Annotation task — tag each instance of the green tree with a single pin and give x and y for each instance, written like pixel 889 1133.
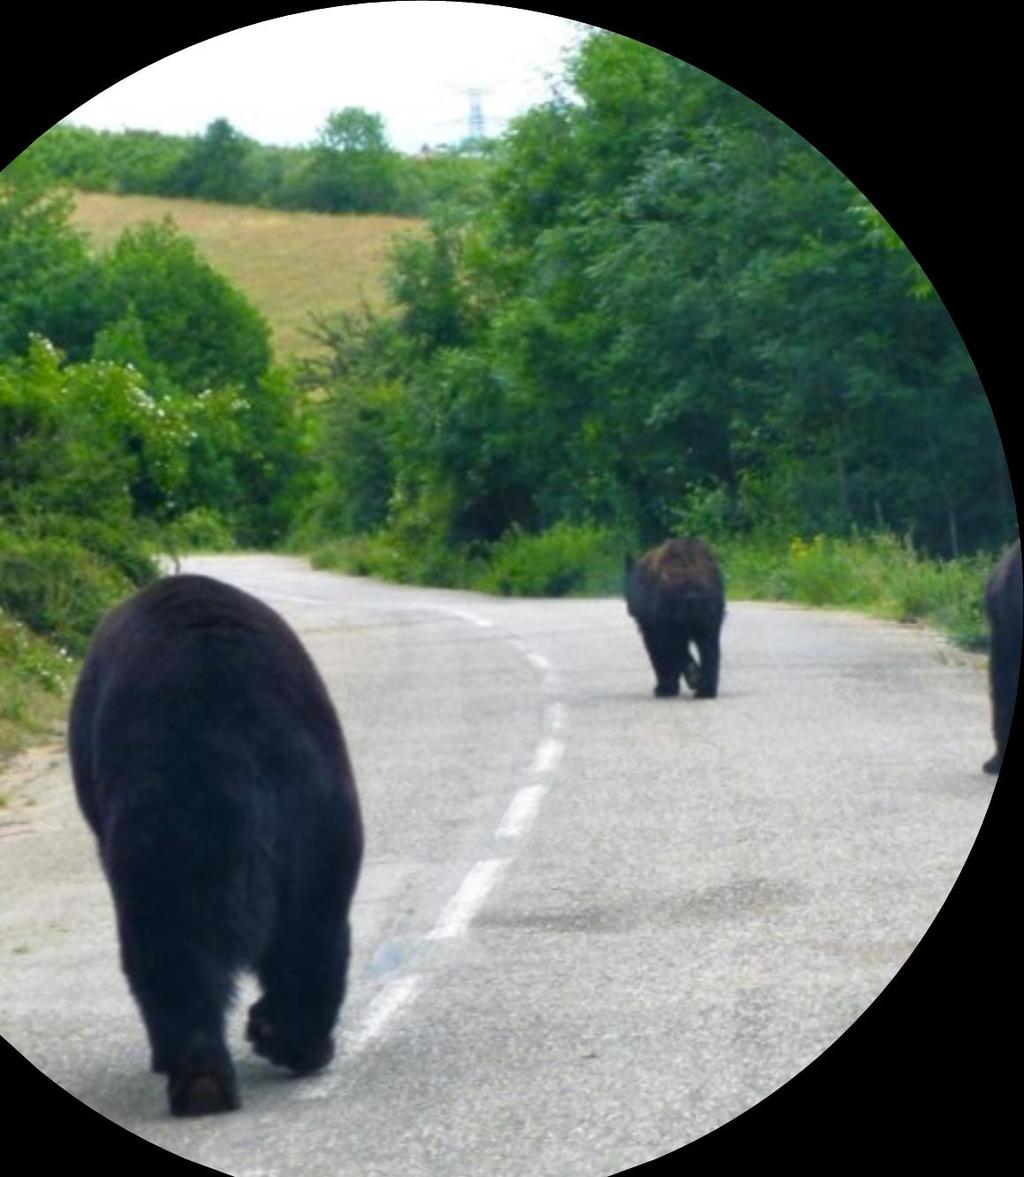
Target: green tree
pixel 665 299
pixel 47 278
pixel 85 440
pixel 216 166
pixel 350 168
pixel 196 328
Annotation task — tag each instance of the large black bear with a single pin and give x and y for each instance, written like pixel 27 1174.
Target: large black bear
pixel 1004 604
pixel 676 595
pixel 211 766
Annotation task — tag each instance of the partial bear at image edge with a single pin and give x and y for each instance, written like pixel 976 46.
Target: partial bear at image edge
pixel 1004 605
pixel 676 594
pixel 210 764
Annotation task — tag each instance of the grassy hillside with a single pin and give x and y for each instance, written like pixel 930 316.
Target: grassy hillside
pixel 289 264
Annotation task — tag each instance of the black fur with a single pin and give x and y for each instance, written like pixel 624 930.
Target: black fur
pixel 1004 604
pixel 211 766
pixel 676 595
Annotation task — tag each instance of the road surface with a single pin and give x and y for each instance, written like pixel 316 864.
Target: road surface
pixel 592 926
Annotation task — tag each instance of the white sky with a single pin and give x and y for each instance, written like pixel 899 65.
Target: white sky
pixel 410 61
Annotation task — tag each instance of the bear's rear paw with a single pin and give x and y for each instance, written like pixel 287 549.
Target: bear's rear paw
pixel 666 690
pixel 202 1093
pixel 268 1041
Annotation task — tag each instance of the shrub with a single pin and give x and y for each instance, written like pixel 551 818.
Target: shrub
pixel 200 530
pixel 199 330
pixel 567 558
pixel 57 588
pixel 120 546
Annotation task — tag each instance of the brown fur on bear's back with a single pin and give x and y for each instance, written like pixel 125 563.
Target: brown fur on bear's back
pixel 683 561
pixel 676 575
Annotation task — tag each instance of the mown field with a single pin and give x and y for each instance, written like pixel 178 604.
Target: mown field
pixel 291 265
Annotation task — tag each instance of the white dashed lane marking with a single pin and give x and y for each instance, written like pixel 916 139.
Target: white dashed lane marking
pixel 396 993
pixel 521 811
pixel 459 911
pixel 548 754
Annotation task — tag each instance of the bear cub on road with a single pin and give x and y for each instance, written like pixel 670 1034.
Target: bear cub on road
pixel 211 766
pixel 1004 604
pixel 676 595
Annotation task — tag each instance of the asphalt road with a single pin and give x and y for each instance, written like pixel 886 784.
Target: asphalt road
pixel 592 926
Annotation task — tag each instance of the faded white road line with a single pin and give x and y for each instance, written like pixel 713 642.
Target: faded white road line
pixel 460 909
pixel 554 716
pixel 465 615
pixel 521 811
pixel 296 600
pixel 548 754
pixel 396 993
pixel 458 913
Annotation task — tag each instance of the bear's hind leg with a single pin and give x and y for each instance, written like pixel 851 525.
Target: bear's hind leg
pixel 691 668
pixel 303 975
pixel 1004 670
pixel 179 958
pixel 710 657
pixel 666 667
pixel 182 994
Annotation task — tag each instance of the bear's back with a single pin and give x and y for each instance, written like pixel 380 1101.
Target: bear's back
pixel 195 673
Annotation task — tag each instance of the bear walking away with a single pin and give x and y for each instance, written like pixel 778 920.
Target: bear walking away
pixel 676 595
pixel 210 764
pixel 1004 604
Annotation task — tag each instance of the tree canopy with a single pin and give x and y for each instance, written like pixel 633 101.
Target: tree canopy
pixel 662 304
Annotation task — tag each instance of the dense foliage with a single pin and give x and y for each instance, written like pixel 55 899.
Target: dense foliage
pixel 666 311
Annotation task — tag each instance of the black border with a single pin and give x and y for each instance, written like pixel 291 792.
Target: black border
pixel 916 111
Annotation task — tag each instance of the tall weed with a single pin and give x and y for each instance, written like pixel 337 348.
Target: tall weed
pixel 880 573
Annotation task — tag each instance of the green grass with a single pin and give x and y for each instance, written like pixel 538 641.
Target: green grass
pixel 290 265
pixel 881 574
pixel 388 556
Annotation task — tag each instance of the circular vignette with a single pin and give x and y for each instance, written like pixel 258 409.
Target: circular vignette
pixel 918 122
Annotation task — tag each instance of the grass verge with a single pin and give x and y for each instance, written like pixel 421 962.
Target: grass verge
pixel 34 681
pixel 879 574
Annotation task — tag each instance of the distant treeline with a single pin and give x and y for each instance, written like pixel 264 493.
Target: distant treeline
pixel 350 167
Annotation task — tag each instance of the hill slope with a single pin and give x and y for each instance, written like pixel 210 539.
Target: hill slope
pixel 289 264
